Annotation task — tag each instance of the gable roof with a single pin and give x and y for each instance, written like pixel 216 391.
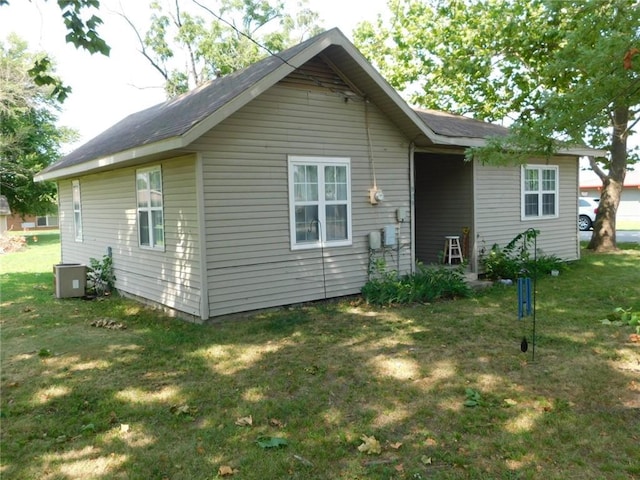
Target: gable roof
pixel 172 125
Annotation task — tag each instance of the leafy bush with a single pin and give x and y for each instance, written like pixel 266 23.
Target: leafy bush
pixel 426 285
pixel 516 259
pixel 621 316
pixel 101 279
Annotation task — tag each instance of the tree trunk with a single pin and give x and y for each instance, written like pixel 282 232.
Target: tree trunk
pixel 604 228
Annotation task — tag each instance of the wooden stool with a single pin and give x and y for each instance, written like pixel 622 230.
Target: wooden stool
pixel 452 249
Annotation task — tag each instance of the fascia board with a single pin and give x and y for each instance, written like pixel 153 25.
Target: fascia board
pixel 112 160
pixel 582 152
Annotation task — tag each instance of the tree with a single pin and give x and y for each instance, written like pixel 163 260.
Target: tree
pixel 564 72
pixel 81 32
pixel 188 49
pixel 29 137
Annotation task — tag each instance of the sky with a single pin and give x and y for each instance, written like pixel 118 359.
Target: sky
pixel 107 89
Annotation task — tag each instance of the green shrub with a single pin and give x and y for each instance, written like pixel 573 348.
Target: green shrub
pixel 426 285
pixel 100 276
pixel 516 259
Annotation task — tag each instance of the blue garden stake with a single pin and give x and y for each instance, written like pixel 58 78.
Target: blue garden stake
pixel 524 306
pixel 524 297
pixel 527 297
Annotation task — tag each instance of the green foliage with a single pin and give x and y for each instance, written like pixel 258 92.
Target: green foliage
pixel 426 285
pixel 474 398
pixel 29 137
pixel 271 442
pixel 621 316
pixel 541 67
pixel 101 278
pixel 560 73
pixel 40 73
pixel 80 32
pixel 188 49
pixel 516 259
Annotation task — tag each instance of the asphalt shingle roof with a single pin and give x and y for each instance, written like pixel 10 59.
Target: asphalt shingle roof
pixel 177 116
pixel 451 125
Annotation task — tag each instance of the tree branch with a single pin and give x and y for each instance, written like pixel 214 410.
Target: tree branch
pixel 596 168
pixel 143 49
pixel 192 58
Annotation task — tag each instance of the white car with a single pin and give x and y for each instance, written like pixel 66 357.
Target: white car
pixel 587 209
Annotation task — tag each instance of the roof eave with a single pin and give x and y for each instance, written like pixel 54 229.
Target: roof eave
pixel 582 152
pixel 112 161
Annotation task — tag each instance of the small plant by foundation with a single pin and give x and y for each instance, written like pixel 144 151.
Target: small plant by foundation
pixel 101 278
pixel 428 283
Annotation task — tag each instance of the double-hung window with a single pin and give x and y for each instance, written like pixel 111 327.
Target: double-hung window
pixel 539 191
pixel 77 210
pixel 319 201
pixel 150 209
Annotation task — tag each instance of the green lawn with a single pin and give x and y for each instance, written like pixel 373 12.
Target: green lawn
pixel 164 399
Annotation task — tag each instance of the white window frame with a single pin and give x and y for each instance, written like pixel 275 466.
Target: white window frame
pixel 76 200
pixel 154 243
pixel 320 163
pixel 540 191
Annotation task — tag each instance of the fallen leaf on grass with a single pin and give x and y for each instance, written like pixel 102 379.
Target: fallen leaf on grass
pixel 399 467
pixel 371 446
pixel 244 421
pixel 303 460
pixel 509 402
pixel 183 410
pixel 226 470
pixel 108 323
pixel 274 422
pixel 396 445
pixel 271 442
pixel 426 460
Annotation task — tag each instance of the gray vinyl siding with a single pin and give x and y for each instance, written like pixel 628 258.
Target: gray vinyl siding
pixel 498 203
pixel 245 160
pixel 109 217
pixel 444 202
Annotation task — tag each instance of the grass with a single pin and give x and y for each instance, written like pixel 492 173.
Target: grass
pixel 161 398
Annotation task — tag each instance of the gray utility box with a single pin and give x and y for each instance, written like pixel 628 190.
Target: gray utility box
pixel 70 279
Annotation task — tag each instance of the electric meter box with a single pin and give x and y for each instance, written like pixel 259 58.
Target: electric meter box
pixel 70 280
pixel 402 214
pixel 389 235
pixel 374 240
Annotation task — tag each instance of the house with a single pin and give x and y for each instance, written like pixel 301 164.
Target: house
pixel 32 222
pixel 628 214
pixel 5 212
pixel 268 187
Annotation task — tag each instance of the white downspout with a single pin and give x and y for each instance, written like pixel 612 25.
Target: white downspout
pixel 412 195
pixel 202 239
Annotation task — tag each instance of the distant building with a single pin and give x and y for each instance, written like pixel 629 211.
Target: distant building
pixel 629 208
